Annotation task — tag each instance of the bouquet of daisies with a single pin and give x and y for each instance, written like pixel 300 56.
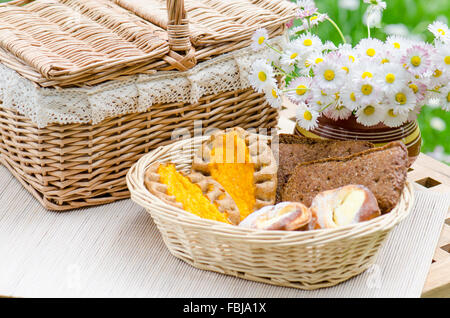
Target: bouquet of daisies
pixel 377 82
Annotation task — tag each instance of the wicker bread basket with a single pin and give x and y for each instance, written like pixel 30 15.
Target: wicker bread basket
pixel 56 55
pixel 299 259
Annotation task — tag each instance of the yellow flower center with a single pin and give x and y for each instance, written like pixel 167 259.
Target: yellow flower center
pixel 274 93
pixel 391 113
pixel 307 42
pixel 313 18
pixel 345 68
pixel 366 89
pixel 340 107
pixel 370 52
pixel 441 31
pixel 307 115
pixel 262 76
pixel 318 60
pixel 447 60
pixel 390 78
pixel 351 58
pixel 437 73
pixel 414 88
pixel 366 74
pixel 329 75
pixel 400 98
pixel 307 64
pixel 323 93
pixel 415 60
pixel 352 97
pixel 261 40
pixel 293 56
pixel 301 90
pixel 384 61
pixel 448 97
pixel 396 45
pixel 369 110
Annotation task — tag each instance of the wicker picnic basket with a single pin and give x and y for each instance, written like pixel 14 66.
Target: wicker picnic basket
pixel 87 87
pixel 299 259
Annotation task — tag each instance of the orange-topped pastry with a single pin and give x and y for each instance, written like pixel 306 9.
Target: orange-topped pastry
pixel 231 166
pixel 194 193
pixel 243 165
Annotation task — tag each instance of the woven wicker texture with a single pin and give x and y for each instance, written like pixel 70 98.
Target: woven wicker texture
pixel 83 42
pixel 76 165
pixel 299 259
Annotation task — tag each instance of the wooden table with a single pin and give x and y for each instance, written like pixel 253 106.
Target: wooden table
pixel 426 172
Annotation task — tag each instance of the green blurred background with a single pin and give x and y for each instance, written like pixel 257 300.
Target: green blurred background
pixel 405 17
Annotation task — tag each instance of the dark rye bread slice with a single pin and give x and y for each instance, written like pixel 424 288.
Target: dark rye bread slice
pixel 293 150
pixel 382 170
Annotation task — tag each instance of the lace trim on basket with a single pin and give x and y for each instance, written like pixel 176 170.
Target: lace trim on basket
pixel 138 93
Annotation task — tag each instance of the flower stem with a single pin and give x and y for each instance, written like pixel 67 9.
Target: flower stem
pixel 281 70
pixel 321 110
pixel 271 47
pixel 338 29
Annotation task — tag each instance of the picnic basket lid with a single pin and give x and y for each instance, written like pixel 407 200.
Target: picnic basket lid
pixel 64 43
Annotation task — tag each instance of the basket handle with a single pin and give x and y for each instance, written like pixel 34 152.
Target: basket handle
pixel 178 26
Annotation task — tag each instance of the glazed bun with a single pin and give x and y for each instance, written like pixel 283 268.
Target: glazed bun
pixel 287 216
pixel 343 206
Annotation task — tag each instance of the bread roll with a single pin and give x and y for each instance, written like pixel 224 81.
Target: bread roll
pixel 286 216
pixel 343 206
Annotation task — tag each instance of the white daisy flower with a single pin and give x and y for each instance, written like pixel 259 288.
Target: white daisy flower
pixel 364 69
pixel 299 90
pixel 273 97
pixel 261 76
pixel 402 101
pixel 389 55
pixel 291 56
pixel 307 43
pixel 370 114
pixel 316 19
pixel 329 76
pixel 440 30
pixel 306 8
pixel 259 39
pixel 441 57
pixel 439 76
pixel 307 117
pixel 417 60
pixel 311 60
pixel 419 89
pixel 321 99
pixel 337 111
pixel 445 97
pixel 370 47
pixel 348 97
pixel 367 91
pixel 350 55
pixel 391 119
pixel 391 77
pixel 397 43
